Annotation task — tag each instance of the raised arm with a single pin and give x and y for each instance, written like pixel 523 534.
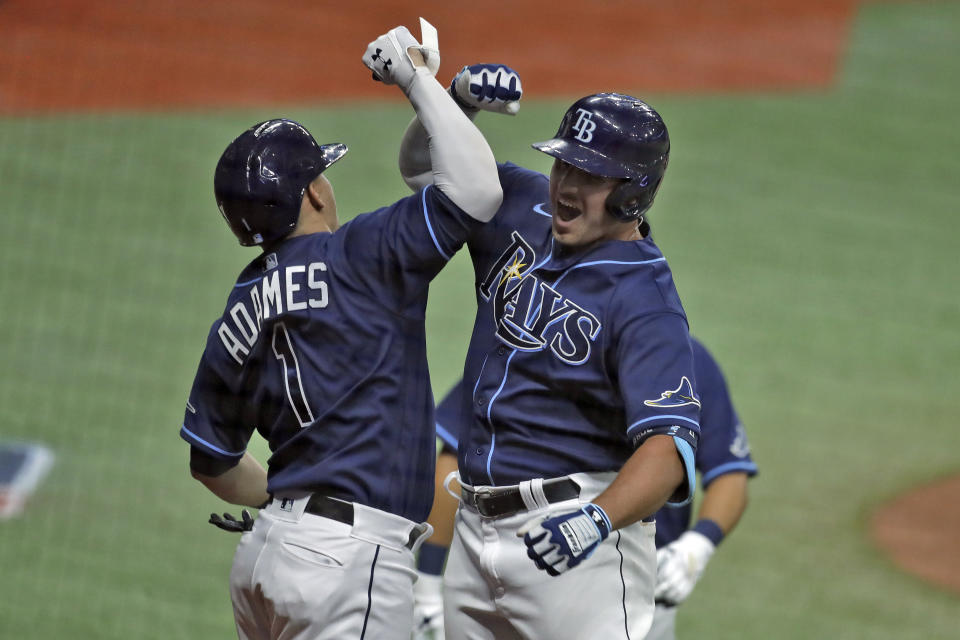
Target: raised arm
pixel 487 87
pixel 461 162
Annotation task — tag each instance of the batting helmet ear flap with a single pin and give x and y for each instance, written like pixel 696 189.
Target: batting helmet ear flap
pixel 631 198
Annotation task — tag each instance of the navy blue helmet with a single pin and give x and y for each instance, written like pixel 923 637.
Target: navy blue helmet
pixel 615 136
pixel 262 175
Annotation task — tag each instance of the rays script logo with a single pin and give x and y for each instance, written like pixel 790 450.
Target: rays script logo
pixel 531 315
pixel 678 397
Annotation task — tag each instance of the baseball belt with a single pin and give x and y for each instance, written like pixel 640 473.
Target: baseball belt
pixel 342 511
pixel 497 503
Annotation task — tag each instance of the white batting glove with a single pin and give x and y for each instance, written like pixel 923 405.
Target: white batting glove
pixel 428 607
pixel 389 58
pixel 491 87
pixel 430 46
pixel 679 565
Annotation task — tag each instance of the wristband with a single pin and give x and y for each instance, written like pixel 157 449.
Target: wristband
pixel 710 530
pixel 467 108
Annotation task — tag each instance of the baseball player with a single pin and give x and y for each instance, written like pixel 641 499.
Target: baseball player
pixel 723 461
pixel 321 348
pixel 580 415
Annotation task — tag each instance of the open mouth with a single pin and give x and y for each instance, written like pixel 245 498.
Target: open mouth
pixel 565 212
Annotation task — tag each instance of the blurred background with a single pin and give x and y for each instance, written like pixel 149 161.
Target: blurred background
pixel 808 215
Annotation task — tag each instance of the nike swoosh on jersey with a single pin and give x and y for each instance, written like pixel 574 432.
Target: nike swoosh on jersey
pixel 538 208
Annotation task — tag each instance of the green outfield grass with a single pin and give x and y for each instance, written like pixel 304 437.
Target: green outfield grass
pixel 813 237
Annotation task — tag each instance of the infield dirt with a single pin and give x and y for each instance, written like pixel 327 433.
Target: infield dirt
pixel 76 55
pixel 73 55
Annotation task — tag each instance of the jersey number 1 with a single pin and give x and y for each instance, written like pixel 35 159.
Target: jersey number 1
pixel 283 350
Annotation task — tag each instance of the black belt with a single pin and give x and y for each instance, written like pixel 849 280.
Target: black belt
pixel 496 503
pixel 342 511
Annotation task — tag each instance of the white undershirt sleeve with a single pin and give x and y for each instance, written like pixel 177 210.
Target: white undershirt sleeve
pixel 460 162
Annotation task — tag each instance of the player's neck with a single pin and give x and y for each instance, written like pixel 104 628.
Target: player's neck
pixel 318 209
pixel 325 221
pixel 631 233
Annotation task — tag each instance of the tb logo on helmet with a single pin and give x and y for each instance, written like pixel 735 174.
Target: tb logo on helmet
pixel 584 126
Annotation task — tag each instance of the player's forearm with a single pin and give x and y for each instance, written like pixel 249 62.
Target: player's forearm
pixel 414 161
pixel 462 164
pixel 647 480
pixel 244 484
pixel 725 500
pixel 444 507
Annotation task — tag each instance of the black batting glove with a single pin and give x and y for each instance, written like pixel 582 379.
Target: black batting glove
pixel 231 524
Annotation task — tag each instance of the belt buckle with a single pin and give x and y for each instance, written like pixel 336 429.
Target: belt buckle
pixel 479 496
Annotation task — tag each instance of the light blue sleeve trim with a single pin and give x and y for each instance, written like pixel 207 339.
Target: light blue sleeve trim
pixel 645 420
pixel 731 467
pixel 446 436
pixel 686 452
pixel 426 217
pixel 243 284
pixel 212 447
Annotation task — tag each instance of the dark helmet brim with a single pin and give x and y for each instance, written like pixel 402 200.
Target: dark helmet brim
pixel 330 153
pixel 589 160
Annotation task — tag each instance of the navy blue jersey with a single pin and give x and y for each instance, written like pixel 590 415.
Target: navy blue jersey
pixel 575 358
pixel 322 350
pixel 723 444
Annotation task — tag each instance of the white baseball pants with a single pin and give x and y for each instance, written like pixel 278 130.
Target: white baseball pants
pixel 493 591
pixel 664 624
pixel 298 576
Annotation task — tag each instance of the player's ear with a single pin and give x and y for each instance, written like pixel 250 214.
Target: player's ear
pixel 315 194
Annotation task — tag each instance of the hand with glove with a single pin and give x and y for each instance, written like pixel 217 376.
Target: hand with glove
pixel 428 607
pixel 396 57
pixel 561 542
pixel 231 524
pixel 490 87
pixel 679 565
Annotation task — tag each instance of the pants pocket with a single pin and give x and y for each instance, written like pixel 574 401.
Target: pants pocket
pixel 311 553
